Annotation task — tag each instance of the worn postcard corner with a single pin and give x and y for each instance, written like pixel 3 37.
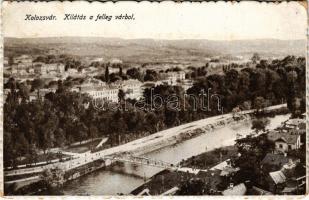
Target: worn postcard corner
pixel 128 100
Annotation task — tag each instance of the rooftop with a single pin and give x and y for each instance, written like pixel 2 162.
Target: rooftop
pixel 277 177
pixel 288 137
pixel 239 189
pixel 275 159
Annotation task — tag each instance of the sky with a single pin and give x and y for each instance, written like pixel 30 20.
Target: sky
pixel 167 20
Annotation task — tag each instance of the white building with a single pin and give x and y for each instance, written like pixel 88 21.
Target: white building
pixel 51 69
pixel 106 93
pixel 171 78
pixel 132 88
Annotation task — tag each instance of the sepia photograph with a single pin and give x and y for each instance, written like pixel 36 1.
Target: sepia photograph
pixel 154 99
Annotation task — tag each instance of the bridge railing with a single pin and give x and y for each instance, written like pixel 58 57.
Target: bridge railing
pixel 141 160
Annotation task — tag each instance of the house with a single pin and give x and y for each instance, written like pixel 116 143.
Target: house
pixel 40 94
pixel 295 123
pixel 172 78
pixel 229 170
pixel 51 68
pixel 236 190
pixel 132 88
pixel 274 161
pixel 106 93
pixel 276 181
pixel 288 142
pixel 285 141
pixel 258 191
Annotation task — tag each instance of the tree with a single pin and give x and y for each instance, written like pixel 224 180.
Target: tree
pixel 260 124
pixel 114 77
pixel 53 178
pixel 81 131
pixel 60 139
pixel 37 84
pixel 252 150
pixel 151 75
pixel 120 71
pixel 121 95
pixel 194 187
pixel 11 60
pixel 255 58
pixel 107 73
pixel 135 73
pixel 259 104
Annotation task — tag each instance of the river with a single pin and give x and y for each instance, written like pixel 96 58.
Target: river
pixel 125 178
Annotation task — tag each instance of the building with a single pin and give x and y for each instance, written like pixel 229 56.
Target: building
pixel 89 81
pixel 132 88
pixel 97 89
pixel 274 161
pixel 106 93
pixel 288 142
pixel 115 61
pixel 285 141
pixel 237 190
pixel 295 124
pixel 172 78
pixel 276 181
pixel 90 71
pixel 40 94
pixel 49 69
pixel 186 84
pixel 72 71
pixel 98 59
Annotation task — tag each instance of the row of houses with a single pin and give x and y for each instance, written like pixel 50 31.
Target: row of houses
pixel 132 88
pixel 98 89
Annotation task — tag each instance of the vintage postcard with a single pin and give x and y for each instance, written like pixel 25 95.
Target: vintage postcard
pixel 154 99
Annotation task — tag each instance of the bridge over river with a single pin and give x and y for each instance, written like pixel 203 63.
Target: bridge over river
pixel 140 160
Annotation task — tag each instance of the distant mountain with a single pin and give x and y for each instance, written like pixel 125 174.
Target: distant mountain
pixel 150 49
